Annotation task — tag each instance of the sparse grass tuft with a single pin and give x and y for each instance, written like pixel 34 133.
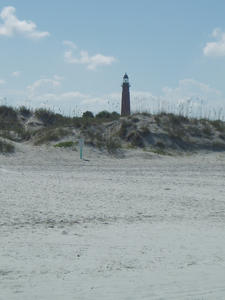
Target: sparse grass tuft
pixel 48 135
pixel 7 112
pixel 194 131
pixel 217 146
pixel 160 152
pixel 6 147
pixel 18 135
pixel 8 118
pixel 144 131
pixel 67 144
pixel 219 125
pixel 10 126
pixel 135 120
pixel 46 116
pixel 222 136
pixel 207 131
pixel 136 139
pixel 145 114
pixel 160 145
pixel 24 111
pixel 113 145
pixel 124 128
pixel 177 119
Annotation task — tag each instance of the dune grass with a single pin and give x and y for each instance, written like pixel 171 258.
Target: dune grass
pixel 108 131
pixel 6 147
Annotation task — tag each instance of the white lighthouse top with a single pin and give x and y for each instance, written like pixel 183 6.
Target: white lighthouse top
pixel 125 78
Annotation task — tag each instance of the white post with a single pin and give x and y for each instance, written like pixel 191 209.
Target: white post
pixel 81 144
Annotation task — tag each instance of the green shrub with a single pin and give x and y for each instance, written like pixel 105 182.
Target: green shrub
pixel 103 115
pixel 88 114
pixel 107 116
pixel 115 115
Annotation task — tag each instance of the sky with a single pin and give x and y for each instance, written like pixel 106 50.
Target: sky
pixel 71 55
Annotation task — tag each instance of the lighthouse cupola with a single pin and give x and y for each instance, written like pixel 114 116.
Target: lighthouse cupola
pixel 126 79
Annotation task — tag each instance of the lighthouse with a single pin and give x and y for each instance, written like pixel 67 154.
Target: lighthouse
pixel 125 103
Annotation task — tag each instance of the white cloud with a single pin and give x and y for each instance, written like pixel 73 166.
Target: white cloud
pixel 72 95
pixel 70 44
pixel 217 48
pixel 58 78
pixel 2 81
pixel 68 56
pixel 92 62
pixel 99 60
pixel 12 25
pixel 16 74
pixel 190 88
pixel 43 86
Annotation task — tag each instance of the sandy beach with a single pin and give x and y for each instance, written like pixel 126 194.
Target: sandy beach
pixel 142 227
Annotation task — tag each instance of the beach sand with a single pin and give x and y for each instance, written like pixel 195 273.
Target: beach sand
pixel 141 227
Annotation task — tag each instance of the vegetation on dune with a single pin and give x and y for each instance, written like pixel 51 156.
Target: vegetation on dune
pixel 68 144
pixel 6 147
pixel 88 114
pixel 24 111
pixel 105 115
pixel 107 131
pixel 44 136
pixel 10 125
pixel 219 125
pixel 9 119
pixel 113 145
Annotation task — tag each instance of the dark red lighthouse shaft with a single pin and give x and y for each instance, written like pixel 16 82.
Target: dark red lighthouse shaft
pixel 125 103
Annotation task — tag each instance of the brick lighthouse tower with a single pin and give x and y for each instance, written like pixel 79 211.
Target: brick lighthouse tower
pixel 125 103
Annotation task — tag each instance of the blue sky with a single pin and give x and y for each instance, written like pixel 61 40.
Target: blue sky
pixel 72 54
